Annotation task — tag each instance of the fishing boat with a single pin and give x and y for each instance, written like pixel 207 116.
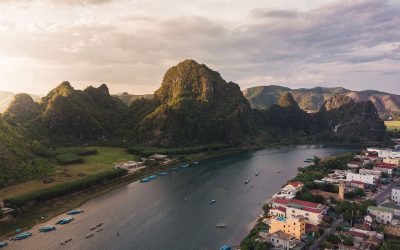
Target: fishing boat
pixel 225 247
pixel 152 177
pixel 278 172
pixel 220 225
pixel 22 236
pixel 46 229
pixel 99 230
pixel 89 236
pixel 246 182
pixel 196 162
pixel 100 225
pixel 3 244
pixel 75 211
pixel 65 221
pixel 145 180
pixel 93 228
pixel 175 169
pixel 186 165
pixel 257 174
pixel 212 202
pixel 162 173
pixel 66 241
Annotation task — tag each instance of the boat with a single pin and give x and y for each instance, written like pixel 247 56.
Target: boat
pixel 175 169
pixel 246 182
pixel 278 172
pixel 152 177
pixel 93 228
pixel 220 225
pixel 196 162
pixel 22 236
pixel 162 173
pixel 65 220
pixel 3 244
pixel 212 202
pixel 99 230
pixel 89 236
pixel 46 229
pixel 65 241
pixel 75 211
pixel 100 224
pixel 145 180
pixel 186 165
pixel 225 247
pixel 257 174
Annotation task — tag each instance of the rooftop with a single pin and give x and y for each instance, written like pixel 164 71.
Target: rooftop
pixel 297 203
pixel 281 235
pixel 381 209
pixel 390 205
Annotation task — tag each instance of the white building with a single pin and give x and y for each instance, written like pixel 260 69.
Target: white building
pixel 396 195
pixel 290 190
pixel 385 168
pixel 365 178
pixel 382 215
pixel 280 240
pixel 395 161
pixel 376 173
pixel 385 152
pixel 129 165
pixel 354 164
pixel 396 208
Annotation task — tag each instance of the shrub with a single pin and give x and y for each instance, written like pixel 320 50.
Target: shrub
pixel 68 158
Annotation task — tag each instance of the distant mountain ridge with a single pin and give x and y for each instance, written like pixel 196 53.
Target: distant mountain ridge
pixel 312 99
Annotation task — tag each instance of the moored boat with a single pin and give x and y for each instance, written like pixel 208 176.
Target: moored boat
pixel 23 235
pixel 75 211
pixel 225 247
pixel 66 241
pixel 3 244
pixel 212 202
pixel 196 162
pixel 257 174
pixel 65 220
pixel 145 180
pixel 246 182
pixel 186 165
pixel 162 173
pixel 220 225
pixel 46 229
pixel 152 177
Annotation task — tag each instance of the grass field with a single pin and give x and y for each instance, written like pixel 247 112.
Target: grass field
pixel 93 164
pixel 391 125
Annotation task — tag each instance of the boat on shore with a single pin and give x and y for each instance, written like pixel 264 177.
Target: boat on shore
pixel 65 221
pixel 66 241
pixel 23 235
pixel 46 229
pixel 226 247
pixel 89 236
pixel 75 211
pixel 3 244
pixel 144 180
pixel 212 202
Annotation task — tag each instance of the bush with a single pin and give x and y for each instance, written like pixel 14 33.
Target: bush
pixel 143 151
pixel 68 158
pixel 63 189
pixel 85 152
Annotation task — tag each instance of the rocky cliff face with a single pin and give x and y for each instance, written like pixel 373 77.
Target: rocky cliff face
pixel 22 109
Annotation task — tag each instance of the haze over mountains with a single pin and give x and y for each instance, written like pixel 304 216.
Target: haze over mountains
pixel 312 99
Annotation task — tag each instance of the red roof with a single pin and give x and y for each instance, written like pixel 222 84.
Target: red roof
pixel 387 165
pixel 282 209
pixel 357 182
pixel 284 202
pixel 311 210
pixel 296 183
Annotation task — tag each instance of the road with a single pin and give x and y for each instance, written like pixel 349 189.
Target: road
pixel 328 231
pixel 381 196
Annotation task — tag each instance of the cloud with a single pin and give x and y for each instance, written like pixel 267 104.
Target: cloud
pixel 331 44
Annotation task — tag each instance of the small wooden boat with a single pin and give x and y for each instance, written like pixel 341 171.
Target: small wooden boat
pixel 225 247
pixel 212 202
pixel 220 225
pixel 66 241
pixel 246 182
pixel 89 236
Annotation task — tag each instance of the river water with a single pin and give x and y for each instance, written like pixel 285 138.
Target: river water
pixel 173 211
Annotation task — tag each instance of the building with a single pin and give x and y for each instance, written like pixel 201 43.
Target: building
pixel 357 184
pixel 396 195
pixel 159 157
pixel 385 153
pixel 376 173
pixel 396 208
pixel 341 191
pixel 283 241
pixel 385 167
pixel 365 178
pixel 354 164
pixel 278 212
pixel 129 165
pixel 310 211
pixel 290 190
pixel 294 226
pixel 395 161
pixel 382 215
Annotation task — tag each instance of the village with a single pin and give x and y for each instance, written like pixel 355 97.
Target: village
pixel 348 202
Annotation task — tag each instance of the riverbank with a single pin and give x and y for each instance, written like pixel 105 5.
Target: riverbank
pixel 45 211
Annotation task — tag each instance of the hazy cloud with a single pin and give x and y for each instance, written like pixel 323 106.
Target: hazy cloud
pixel 351 43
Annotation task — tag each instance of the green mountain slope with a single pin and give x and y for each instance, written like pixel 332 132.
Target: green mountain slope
pixel 18 162
pixel 312 99
pixel 194 105
pixel 128 98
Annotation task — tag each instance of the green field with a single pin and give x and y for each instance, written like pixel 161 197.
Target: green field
pixel 391 125
pixel 93 164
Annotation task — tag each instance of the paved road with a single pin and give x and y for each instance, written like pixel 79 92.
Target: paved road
pixel 381 196
pixel 328 231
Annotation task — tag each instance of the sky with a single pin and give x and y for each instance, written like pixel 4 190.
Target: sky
pixel 129 44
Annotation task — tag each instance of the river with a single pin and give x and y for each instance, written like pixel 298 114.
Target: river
pixel 156 215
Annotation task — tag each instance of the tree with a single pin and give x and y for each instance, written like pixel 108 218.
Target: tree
pixel 333 239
